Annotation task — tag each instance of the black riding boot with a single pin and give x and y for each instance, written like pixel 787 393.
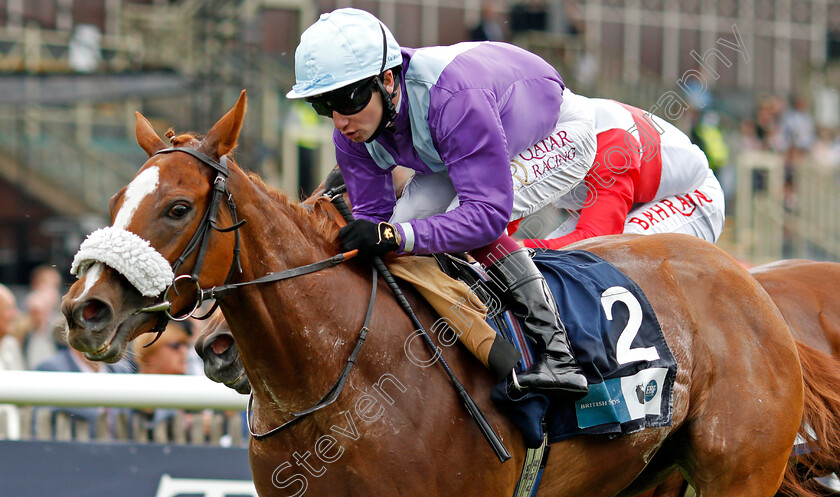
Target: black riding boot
pixel 529 298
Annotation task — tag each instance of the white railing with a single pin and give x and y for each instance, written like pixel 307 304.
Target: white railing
pixel 47 388
pixel 772 223
pixel 216 417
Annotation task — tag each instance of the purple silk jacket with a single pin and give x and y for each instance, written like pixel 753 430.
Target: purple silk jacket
pixel 465 109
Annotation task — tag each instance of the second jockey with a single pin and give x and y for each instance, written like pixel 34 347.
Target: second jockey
pixel 647 178
pixel 456 115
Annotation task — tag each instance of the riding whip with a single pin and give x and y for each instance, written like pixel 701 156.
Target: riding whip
pixel 475 412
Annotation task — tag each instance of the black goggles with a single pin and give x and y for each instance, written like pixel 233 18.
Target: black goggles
pixel 346 101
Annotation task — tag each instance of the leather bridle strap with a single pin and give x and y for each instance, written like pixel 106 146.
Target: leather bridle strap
pixel 335 390
pixel 201 238
pixel 217 292
pixel 219 166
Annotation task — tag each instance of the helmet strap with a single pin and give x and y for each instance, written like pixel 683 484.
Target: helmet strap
pixel 389 111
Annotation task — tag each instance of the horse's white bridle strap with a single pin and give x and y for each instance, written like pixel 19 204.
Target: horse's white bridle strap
pixel 130 255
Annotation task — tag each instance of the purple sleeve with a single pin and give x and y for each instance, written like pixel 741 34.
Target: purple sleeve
pixel 469 136
pixel 371 188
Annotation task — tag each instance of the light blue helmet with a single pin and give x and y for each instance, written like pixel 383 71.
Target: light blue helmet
pixel 342 47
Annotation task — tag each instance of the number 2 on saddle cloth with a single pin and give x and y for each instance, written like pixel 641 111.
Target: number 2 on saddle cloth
pixel 616 339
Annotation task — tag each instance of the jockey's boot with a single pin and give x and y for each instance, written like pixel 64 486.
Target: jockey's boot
pixel 555 370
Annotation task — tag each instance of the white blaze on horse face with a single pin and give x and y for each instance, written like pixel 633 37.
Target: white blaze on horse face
pixel 92 274
pixel 144 184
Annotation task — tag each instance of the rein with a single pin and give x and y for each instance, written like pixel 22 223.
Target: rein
pixel 200 241
pixel 334 391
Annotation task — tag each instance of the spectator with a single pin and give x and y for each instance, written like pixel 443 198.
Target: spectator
pixel 796 136
pixel 47 279
pixel 826 150
pixel 302 118
pixel 797 128
pixel 749 136
pixel 167 355
pixel 42 307
pixel 11 355
pixel 489 27
pixel 40 344
pixel 706 134
pixel 767 123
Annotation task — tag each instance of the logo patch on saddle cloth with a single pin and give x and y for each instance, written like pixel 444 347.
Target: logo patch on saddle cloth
pixel 619 345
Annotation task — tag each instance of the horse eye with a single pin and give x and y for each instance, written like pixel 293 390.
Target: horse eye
pixel 178 211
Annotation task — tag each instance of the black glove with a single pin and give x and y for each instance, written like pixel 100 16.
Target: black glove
pixel 370 238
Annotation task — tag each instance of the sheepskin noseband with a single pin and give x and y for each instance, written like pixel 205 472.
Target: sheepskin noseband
pixel 127 253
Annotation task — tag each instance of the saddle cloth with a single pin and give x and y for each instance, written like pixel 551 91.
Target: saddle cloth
pixel 619 345
pixel 612 328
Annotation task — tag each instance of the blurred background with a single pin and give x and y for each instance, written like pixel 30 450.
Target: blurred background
pixel 754 82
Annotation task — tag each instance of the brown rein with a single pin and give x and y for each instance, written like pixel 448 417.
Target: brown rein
pixel 200 240
pixel 334 391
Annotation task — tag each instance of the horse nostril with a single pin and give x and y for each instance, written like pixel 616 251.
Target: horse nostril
pixel 221 344
pixel 93 314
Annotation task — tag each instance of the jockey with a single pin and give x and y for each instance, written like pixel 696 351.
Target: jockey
pixel 456 115
pixel 647 178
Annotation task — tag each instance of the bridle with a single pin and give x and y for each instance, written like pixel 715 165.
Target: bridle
pixel 200 240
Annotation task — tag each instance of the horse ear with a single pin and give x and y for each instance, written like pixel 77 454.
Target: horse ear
pixel 221 139
pixel 146 136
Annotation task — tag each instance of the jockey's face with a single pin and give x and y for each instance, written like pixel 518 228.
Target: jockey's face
pixel 361 126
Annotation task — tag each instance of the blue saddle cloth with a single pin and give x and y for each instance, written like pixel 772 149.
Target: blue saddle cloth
pixel 618 343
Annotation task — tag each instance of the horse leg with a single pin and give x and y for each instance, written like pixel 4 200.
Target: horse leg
pixel 660 477
pixel 739 439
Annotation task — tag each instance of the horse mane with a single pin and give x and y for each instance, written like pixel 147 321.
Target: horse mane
pixel 319 222
pixel 184 139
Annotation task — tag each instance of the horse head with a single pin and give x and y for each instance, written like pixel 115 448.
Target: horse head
pixel 167 240
pixel 217 348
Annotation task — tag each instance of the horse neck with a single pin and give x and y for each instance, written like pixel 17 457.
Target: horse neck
pixel 290 333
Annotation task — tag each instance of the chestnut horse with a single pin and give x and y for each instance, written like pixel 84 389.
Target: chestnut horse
pixel 398 428
pixel 806 293
pixel 217 349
